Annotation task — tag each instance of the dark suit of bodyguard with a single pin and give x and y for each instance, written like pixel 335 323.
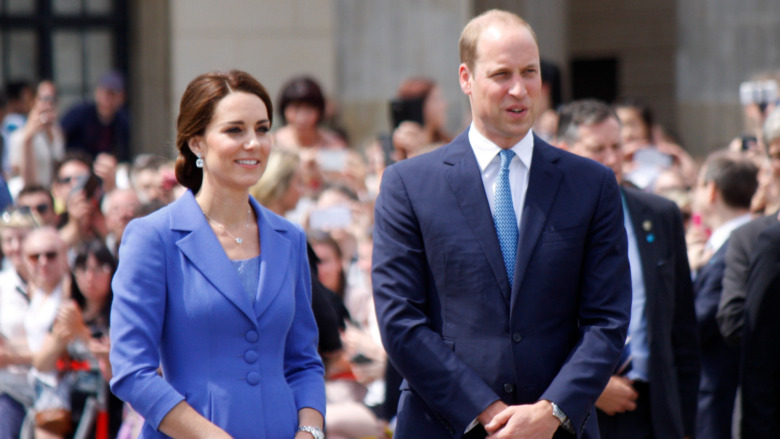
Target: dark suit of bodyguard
pixel 464 340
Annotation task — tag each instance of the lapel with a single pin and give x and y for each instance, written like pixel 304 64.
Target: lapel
pixel 205 253
pixel 543 182
pixel 275 248
pixel 465 180
pixel 647 242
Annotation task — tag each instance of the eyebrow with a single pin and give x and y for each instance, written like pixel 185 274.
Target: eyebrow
pixel 241 122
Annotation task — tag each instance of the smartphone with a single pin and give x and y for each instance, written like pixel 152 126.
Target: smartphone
pixel 336 217
pixel 748 142
pixel 402 110
pixel 331 160
pixel 89 184
pixel 653 158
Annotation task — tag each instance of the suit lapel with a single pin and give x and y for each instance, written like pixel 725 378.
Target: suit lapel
pixel 543 184
pixel 643 221
pixel 465 180
pixel 202 248
pixel 274 257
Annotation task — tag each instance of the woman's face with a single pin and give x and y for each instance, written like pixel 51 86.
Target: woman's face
pixel 236 143
pixel 301 115
pixel 435 109
pixel 633 129
pixel 94 279
pixel 11 239
pixel 329 267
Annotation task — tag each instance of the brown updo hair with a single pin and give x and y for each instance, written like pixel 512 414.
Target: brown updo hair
pixel 196 110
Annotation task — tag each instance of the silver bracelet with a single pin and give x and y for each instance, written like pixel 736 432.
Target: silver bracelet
pixel 317 433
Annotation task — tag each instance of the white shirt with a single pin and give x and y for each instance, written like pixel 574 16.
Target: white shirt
pixel 486 153
pixel 721 234
pixel 45 153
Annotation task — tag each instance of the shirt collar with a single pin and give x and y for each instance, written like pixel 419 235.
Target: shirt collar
pixel 721 234
pixel 485 150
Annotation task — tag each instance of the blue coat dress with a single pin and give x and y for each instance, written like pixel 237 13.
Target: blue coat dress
pixel 179 304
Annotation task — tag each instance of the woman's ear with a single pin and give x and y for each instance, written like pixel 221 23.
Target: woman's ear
pixel 195 144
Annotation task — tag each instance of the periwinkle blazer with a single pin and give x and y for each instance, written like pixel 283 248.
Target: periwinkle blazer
pixel 180 305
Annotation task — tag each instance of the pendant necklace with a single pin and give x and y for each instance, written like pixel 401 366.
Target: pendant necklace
pixel 239 239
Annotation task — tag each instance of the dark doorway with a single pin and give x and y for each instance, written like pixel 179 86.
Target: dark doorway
pixel 595 78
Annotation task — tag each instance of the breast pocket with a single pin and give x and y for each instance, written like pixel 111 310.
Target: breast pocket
pixel 563 237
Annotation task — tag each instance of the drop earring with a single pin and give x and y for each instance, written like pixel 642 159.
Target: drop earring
pixel 199 161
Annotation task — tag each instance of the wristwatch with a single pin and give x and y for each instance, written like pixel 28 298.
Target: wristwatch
pixel 314 431
pixel 565 421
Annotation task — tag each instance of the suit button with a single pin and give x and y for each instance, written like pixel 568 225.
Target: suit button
pixel 250 356
pixel 253 378
pixel 516 337
pixel 251 336
pixel 509 388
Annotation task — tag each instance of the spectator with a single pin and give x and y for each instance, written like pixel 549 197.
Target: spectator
pixel 40 202
pixel 19 101
pixel 47 266
pixel 281 186
pixel 16 394
pixel 148 177
pixel 413 137
pixel 79 191
pixel 100 126
pixel 301 107
pixel 741 244
pixel 39 144
pixel 119 207
pixel 722 196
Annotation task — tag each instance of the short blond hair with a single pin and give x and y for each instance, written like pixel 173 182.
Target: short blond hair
pixel 467 44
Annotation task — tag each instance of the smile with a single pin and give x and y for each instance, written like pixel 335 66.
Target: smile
pixel 247 162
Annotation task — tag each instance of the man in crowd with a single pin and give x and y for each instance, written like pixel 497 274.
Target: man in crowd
pixel 656 396
pixel 20 96
pixel 119 207
pixel 40 202
pixel 101 126
pixel 726 184
pixel 732 302
pixel 500 267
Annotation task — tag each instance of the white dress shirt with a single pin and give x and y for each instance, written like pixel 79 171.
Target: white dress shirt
pixel 486 153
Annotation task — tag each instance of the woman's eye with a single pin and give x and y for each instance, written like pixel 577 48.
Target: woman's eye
pixel 234 130
pixel 263 129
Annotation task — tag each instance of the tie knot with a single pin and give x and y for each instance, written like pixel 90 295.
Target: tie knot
pixel 506 157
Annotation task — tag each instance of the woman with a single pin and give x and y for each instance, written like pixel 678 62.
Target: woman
pixel 411 138
pixel 15 391
pixel 81 331
pixel 215 289
pixel 302 108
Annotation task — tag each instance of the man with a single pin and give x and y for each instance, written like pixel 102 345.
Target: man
pixel 722 197
pixel 760 355
pixel 119 207
pixel 20 95
pixel 656 397
pixel 40 202
pixel 504 309
pixel 102 126
pixel 732 302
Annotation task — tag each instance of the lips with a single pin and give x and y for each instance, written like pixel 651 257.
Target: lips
pixel 249 162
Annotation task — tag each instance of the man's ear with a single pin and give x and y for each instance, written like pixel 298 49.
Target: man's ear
pixel 464 76
pixel 712 192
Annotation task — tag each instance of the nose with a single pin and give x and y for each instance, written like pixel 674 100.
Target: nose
pixel 517 88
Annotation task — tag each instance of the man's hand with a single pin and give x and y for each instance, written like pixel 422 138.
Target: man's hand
pixel 528 421
pixel 619 396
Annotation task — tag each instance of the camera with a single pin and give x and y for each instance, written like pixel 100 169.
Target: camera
pixel 761 93
pixel 403 110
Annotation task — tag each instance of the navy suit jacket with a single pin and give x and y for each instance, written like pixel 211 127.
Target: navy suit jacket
pixel 449 321
pixel 179 304
pixel 669 311
pixel 719 361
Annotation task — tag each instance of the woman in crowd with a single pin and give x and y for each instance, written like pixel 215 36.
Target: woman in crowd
pixel 216 290
pixel 302 108
pixel 15 392
pixel 81 331
pixel 412 138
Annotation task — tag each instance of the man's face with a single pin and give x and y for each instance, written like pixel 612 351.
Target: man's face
pixel 39 204
pixel 68 176
pixel 601 142
pixel 108 102
pixel 46 263
pixel 505 84
pixel 121 208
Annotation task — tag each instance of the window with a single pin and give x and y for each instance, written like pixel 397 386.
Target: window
pixel 72 42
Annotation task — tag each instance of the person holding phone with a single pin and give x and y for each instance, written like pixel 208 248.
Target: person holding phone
pixel 215 289
pixel 40 143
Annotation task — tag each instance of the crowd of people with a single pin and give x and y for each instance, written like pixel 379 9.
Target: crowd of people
pixel 699 242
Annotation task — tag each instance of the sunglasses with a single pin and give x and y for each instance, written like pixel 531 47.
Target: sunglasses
pixel 50 256
pixel 67 180
pixel 40 208
pixel 101 269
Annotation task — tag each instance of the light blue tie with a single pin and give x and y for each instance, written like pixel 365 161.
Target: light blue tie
pixel 504 217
